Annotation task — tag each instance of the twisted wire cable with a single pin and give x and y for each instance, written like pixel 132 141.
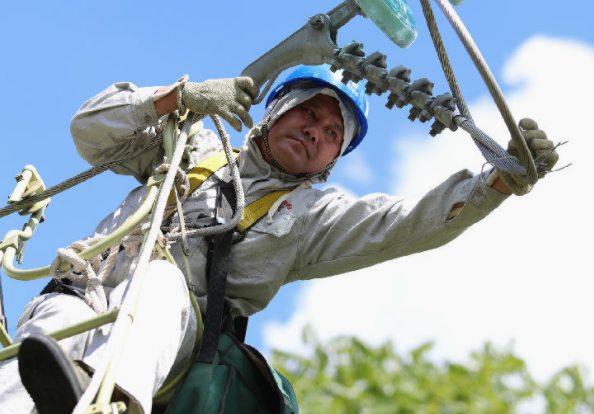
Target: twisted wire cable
pixel 71 182
pixel 491 150
pixel 444 59
pixel 476 56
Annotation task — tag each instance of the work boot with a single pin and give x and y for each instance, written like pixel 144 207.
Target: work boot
pixel 50 377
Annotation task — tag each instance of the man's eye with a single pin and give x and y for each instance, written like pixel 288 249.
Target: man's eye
pixel 332 133
pixel 310 113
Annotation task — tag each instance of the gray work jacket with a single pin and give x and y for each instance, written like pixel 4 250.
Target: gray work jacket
pixel 315 233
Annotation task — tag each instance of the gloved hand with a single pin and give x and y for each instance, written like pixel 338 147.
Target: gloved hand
pixel 223 97
pixel 543 152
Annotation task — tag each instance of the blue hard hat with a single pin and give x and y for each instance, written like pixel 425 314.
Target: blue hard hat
pixel 323 76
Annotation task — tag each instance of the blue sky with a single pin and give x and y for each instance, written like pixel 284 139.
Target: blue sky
pixel 58 54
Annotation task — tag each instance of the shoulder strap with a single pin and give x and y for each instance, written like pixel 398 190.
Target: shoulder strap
pixel 252 212
pixel 220 245
pixel 205 169
pixel 256 210
pixel 216 272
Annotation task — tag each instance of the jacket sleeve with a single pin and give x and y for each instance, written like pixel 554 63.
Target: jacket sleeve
pixel 116 123
pixel 342 234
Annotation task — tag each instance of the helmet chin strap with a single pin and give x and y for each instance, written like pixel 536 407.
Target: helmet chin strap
pixel 280 167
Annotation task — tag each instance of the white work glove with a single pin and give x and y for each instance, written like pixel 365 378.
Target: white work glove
pixel 229 98
pixel 543 152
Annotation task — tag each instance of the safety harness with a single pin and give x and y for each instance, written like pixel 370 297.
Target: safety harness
pixel 222 348
pixel 252 212
pixel 225 202
pixel 220 247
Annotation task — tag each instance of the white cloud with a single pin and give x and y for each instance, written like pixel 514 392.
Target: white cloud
pixel 523 274
pixel 359 171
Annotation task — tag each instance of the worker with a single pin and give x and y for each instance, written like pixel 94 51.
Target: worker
pixel 311 121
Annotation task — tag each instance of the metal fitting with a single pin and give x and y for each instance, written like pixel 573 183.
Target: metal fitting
pixel 374 69
pixel 414 114
pixel 436 128
pixel 317 21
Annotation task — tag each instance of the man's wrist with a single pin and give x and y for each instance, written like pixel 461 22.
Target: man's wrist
pixel 165 100
pixel 494 181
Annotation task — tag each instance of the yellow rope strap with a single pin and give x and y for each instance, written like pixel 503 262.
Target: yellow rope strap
pixel 257 209
pixel 203 170
pixel 253 212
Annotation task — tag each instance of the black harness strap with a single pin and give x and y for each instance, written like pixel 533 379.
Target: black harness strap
pixel 218 264
pixel 240 324
pixel 61 286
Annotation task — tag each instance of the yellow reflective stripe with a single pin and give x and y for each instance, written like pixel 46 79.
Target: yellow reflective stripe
pixel 203 170
pixel 256 210
pixel 251 213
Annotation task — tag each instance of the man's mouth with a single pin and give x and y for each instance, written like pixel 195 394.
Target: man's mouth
pixel 306 146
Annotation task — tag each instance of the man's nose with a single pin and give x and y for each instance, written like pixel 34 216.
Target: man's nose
pixel 311 131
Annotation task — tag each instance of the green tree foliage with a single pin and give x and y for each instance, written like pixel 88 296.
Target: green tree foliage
pixel 346 375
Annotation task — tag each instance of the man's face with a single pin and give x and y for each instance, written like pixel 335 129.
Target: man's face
pixel 307 137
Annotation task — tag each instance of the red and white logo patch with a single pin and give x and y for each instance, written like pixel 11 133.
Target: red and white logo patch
pixel 286 204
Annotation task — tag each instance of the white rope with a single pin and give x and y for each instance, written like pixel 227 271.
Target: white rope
pixel 131 294
pixel 183 185
pixel 83 271
pixel 94 271
pixel 239 195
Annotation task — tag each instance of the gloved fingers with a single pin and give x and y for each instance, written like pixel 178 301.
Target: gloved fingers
pixel 231 119
pixel 534 133
pixel 248 85
pixel 243 99
pixel 546 158
pixel 528 124
pixel 542 149
pixel 243 114
pixel 228 98
pixel 531 134
pixel 539 145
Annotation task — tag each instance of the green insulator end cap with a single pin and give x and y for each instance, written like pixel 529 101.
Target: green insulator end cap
pixel 393 17
pixel 456 2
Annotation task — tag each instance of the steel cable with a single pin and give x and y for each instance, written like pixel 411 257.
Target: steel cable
pixel 71 182
pixel 488 78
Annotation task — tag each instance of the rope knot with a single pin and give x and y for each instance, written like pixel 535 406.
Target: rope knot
pixel 182 181
pixel 83 271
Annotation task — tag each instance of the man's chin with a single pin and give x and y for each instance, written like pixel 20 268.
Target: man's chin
pixel 294 167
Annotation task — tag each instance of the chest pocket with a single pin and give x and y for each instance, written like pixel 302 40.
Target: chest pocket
pixel 265 255
pixel 281 226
